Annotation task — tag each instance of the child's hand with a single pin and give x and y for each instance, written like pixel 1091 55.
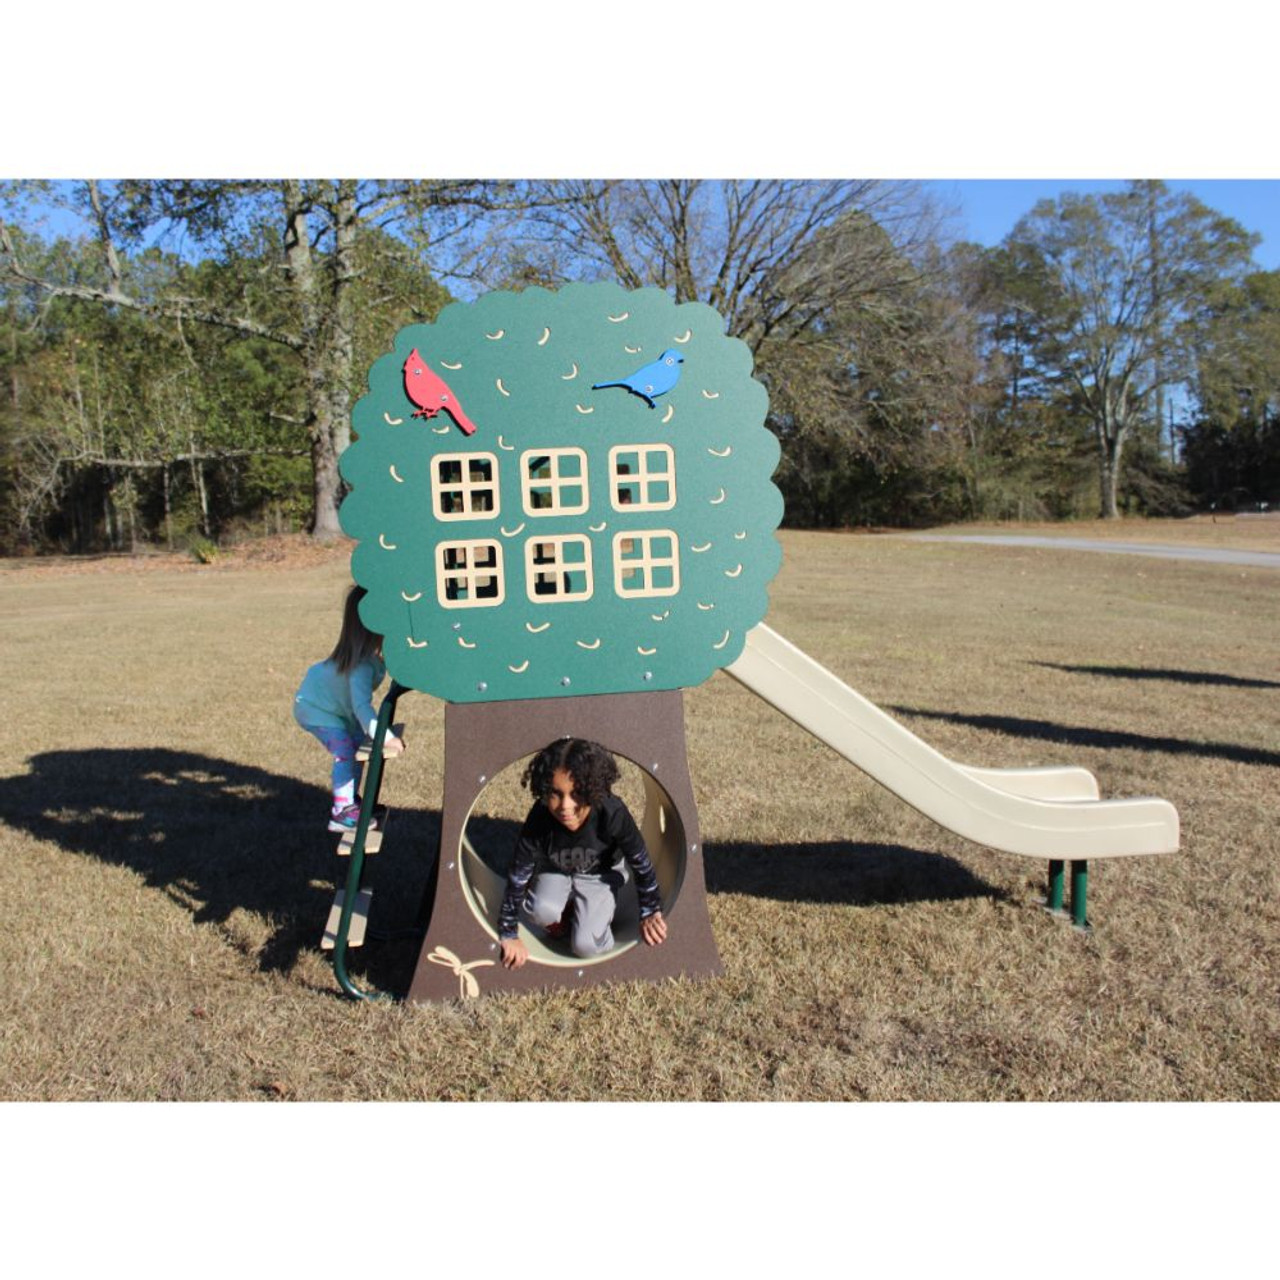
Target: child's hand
pixel 653 929
pixel 393 746
pixel 514 953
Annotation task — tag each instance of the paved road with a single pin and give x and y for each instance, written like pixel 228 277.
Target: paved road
pixel 1211 555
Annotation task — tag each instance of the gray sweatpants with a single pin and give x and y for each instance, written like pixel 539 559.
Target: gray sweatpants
pixel 595 899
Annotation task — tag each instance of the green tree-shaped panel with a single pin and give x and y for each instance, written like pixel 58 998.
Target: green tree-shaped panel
pixel 578 540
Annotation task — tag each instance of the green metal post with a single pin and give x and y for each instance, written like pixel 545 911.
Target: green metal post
pixel 372 789
pixel 1056 877
pixel 1079 890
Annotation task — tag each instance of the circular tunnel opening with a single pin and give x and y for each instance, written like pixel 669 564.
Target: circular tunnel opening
pixel 488 842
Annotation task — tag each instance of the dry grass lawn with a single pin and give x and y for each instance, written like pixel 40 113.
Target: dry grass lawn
pixel 166 873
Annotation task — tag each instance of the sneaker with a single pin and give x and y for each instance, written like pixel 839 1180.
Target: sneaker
pixel 347 818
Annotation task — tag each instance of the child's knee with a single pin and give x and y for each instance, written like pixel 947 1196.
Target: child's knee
pixel 585 944
pixel 542 912
pixel 545 902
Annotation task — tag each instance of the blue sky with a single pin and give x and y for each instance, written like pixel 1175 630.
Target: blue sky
pixel 985 210
pixel 988 208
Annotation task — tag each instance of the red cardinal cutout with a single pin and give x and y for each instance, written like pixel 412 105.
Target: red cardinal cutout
pixel 430 392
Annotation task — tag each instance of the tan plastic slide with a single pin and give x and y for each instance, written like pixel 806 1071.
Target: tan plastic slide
pixel 1044 813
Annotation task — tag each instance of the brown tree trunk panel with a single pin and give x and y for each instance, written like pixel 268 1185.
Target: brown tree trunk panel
pixel 460 956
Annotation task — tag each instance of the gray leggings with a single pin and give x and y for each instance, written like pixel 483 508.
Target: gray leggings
pixel 595 899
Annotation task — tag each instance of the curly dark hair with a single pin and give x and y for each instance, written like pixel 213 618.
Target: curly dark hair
pixel 592 768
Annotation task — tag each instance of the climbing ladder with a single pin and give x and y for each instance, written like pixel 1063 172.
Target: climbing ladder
pixel 349 915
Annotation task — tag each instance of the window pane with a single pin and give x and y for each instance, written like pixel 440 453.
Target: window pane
pixel 642 477
pixel 646 563
pixel 554 481
pixel 465 486
pixel 558 569
pixel 469 574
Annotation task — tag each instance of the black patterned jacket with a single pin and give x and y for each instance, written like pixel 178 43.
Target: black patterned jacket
pixel 609 836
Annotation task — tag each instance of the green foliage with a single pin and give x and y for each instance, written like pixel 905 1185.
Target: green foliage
pixel 202 550
pixel 1151 484
pixel 269 480
pixel 1234 468
pixel 1238 362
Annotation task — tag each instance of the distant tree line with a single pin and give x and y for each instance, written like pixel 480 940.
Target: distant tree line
pixel 182 369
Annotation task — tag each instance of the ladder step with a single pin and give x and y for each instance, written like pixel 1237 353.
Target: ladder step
pixel 365 749
pixel 372 837
pixel 359 919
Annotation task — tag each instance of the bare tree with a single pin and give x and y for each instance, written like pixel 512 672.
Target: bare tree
pixel 824 281
pixel 774 257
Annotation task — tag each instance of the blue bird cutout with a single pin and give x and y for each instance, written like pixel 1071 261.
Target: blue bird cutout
pixel 654 379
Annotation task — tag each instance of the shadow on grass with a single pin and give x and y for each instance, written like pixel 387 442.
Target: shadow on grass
pixel 860 874
pixel 218 837
pixel 1108 739
pixel 1157 673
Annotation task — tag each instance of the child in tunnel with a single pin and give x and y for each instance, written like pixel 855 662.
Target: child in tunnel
pixel 575 851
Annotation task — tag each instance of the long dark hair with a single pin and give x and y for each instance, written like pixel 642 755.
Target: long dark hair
pixel 356 643
pixel 592 768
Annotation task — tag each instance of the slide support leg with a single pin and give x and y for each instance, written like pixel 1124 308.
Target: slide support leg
pixel 1079 890
pixel 1056 877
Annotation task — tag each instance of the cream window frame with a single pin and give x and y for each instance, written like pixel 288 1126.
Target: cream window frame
pixel 465 486
pixel 555 482
pixel 469 574
pixel 626 563
pixel 555 567
pixel 643 477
